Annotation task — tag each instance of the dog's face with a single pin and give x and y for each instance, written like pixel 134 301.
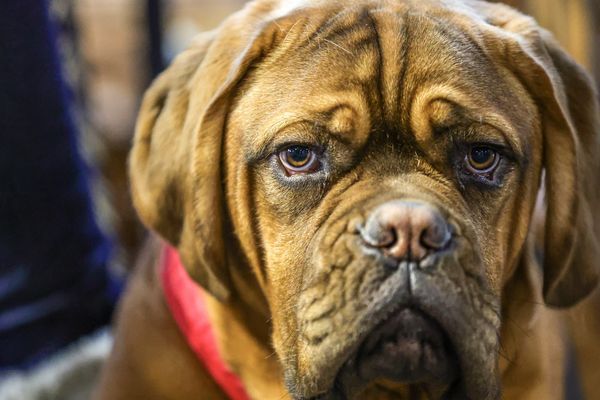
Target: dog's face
pixel 377 165
pixel 392 182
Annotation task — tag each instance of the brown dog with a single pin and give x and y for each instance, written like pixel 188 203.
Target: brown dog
pixel 354 183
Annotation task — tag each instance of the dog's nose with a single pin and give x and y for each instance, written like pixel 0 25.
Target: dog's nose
pixel 406 230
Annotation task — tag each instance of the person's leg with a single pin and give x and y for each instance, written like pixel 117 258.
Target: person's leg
pixel 53 256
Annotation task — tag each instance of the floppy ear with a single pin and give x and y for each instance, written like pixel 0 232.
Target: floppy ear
pixel 175 163
pixel 572 242
pixel 571 139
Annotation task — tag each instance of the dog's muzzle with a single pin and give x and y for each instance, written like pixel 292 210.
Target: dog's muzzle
pixel 413 307
pixel 408 345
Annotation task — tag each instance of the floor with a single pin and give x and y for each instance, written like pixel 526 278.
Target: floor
pixel 69 375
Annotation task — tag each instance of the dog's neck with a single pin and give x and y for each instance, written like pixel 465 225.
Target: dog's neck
pixel 243 337
pixel 243 333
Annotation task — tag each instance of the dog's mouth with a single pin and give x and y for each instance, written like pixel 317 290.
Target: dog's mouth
pixel 408 347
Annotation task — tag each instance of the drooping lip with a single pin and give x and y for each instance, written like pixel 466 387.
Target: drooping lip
pixel 408 347
pixel 471 330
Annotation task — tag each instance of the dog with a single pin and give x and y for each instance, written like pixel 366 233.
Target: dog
pixel 379 198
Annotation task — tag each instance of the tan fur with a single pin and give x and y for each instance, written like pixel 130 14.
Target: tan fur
pixel 289 281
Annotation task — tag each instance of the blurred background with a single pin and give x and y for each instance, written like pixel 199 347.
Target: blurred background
pixel 111 50
pixel 108 52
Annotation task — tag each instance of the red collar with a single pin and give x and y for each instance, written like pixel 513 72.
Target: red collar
pixel 185 300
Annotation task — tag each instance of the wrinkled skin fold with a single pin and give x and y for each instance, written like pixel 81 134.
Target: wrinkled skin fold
pixel 390 97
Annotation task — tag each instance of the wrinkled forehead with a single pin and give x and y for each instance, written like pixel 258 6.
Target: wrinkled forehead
pixel 407 68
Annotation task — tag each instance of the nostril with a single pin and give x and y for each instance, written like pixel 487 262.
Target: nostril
pixel 436 236
pixel 377 236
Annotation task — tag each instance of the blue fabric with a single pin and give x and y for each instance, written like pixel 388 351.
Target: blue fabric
pixel 53 256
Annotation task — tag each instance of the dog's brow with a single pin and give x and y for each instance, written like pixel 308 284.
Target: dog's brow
pixel 338 121
pixel 456 106
pixel 506 129
pixel 300 130
pixel 305 135
pixel 259 147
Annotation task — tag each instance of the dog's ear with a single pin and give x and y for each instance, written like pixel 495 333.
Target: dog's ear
pixel 572 165
pixel 175 163
pixel 569 110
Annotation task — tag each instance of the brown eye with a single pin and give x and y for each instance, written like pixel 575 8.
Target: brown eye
pixel 298 159
pixel 482 159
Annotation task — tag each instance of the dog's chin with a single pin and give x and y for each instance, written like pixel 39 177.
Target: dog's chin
pixel 409 348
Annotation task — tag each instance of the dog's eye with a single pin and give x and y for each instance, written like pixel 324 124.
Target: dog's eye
pixel 482 159
pixel 299 159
